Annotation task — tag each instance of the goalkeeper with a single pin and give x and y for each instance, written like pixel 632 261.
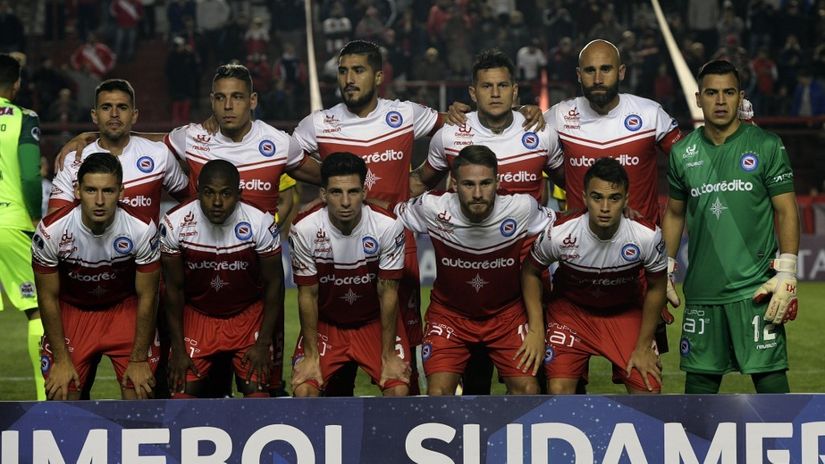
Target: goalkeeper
pixel 728 182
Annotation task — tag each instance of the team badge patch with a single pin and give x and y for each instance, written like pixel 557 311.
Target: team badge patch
pixel 748 162
pixel 549 354
pixel 162 230
pixel 38 241
pixel 45 364
pixel 123 245
pixel 633 122
pixel 370 245
pixel 394 119
pixel 243 231
pixel 508 227
pixel 426 351
pixel 274 229
pixel 530 140
pixel 267 148
pixel 145 164
pixel 684 346
pixel 36 133
pixel 631 252
pixel 27 290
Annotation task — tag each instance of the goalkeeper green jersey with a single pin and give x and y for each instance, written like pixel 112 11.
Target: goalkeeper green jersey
pixel 727 191
pixel 20 186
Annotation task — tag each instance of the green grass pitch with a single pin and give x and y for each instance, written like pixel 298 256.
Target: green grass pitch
pixel 807 372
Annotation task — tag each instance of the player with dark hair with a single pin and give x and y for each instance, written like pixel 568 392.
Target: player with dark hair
pixel 733 180
pixel 20 198
pixel 223 274
pixel 478 237
pixel 347 259
pixel 598 305
pixel 96 267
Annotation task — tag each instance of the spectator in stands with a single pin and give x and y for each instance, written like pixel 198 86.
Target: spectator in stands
pixel 84 82
pixel 94 57
pixel 88 17
pixel 231 43
pixel 176 11
pixel 396 55
pixel 257 37
pixel 558 24
pixel 12 38
pixel 809 95
pixel 437 20
pixel 337 29
pixel 148 21
pixel 734 53
pixel 262 80
pixel 562 66
pixel 47 82
pixel 789 60
pixel 212 16
pixel 430 67
pixel 293 73
pixel 530 60
pixel 702 17
pixel 765 75
pixel 695 57
pixel 127 15
pixel 664 88
pixel 793 21
pixel 648 58
pixel 370 27
pixel 730 24
pixel 484 29
pixel 608 27
pixel 182 74
pixel 517 34
pixel 64 108
pixel 761 24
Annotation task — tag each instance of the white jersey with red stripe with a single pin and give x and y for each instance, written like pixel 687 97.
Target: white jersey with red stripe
pixel 477 264
pixel 147 167
pixel 629 133
pixel 596 273
pixel 522 154
pixel 221 262
pixel 261 157
pixel 346 268
pixel 96 271
pixel 384 139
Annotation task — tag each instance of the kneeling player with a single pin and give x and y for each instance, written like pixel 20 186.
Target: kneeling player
pixel 347 259
pixel 96 271
pixel 223 274
pixel 476 298
pixel 598 306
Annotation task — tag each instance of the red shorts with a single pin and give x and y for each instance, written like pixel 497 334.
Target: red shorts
pixel 338 346
pixel 575 334
pixel 409 293
pixel 90 334
pixel 205 336
pixel 448 338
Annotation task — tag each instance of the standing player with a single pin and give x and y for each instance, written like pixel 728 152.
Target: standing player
pixel 598 305
pixel 347 258
pixel 96 268
pixel 733 180
pixel 223 274
pixel 20 197
pixel 478 238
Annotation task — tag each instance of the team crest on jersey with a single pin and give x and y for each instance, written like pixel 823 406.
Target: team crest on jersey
pixel 530 140
pixel 267 148
pixel 370 245
pixel 27 290
pixel 45 364
pixel 633 122
pixel 38 241
pixel 243 231
pixel 748 162
pixel 274 229
pixel 394 119
pixel 426 351
pixel 549 354
pixel 145 164
pixel 508 227
pixel 631 252
pixel 123 245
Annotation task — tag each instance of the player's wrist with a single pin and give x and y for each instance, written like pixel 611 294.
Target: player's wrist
pixel 785 264
pixel 671 265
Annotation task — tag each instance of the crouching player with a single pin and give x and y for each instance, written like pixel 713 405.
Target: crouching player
pixel 598 306
pixel 96 272
pixel 347 259
pixel 222 267
pixel 476 298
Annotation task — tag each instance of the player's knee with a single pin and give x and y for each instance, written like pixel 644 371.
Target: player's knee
pixel 563 387
pixel 306 390
pixel 523 386
pixel 398 390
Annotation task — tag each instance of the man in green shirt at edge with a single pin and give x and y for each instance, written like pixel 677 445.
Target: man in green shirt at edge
pixel 728 181
pixel 20 196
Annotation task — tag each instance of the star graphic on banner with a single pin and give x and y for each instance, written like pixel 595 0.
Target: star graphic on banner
pixel 350 297
pixel 218 284
pixel 477 283
pixel 717 208
pixel 98 291
pixel 371 179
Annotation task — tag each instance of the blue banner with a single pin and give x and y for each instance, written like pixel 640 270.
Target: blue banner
pixel 506 429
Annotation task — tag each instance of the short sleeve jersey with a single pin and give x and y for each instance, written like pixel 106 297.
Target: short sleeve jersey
pixel 383 139
pixel 596 273
pixel 19 127
pixel 477 264
pixel 523 155
pixel 221 262
pixel 727 191
pixel 96 271
pixel 261 157
pixel 147 167
pixel 346 268
pixel 630 133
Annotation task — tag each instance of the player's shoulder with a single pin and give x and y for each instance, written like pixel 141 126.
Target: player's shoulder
pixel 181 209
pixel 251 211
pixel 630 101
pixel 267 130
pixel 686 147
pixel 754 132
pixel 380 212
pixel 149 146
pixel 62 213
pixel 27 113
pixel 568 220
pixel 308 217
pixel 642 224
pixel 135 216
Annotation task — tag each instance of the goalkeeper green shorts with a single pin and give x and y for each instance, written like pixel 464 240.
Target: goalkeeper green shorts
pixel 732 337
pixel 16 275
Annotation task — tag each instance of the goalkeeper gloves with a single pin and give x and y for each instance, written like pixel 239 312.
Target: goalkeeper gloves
pixel 672 296
pixel 782 286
